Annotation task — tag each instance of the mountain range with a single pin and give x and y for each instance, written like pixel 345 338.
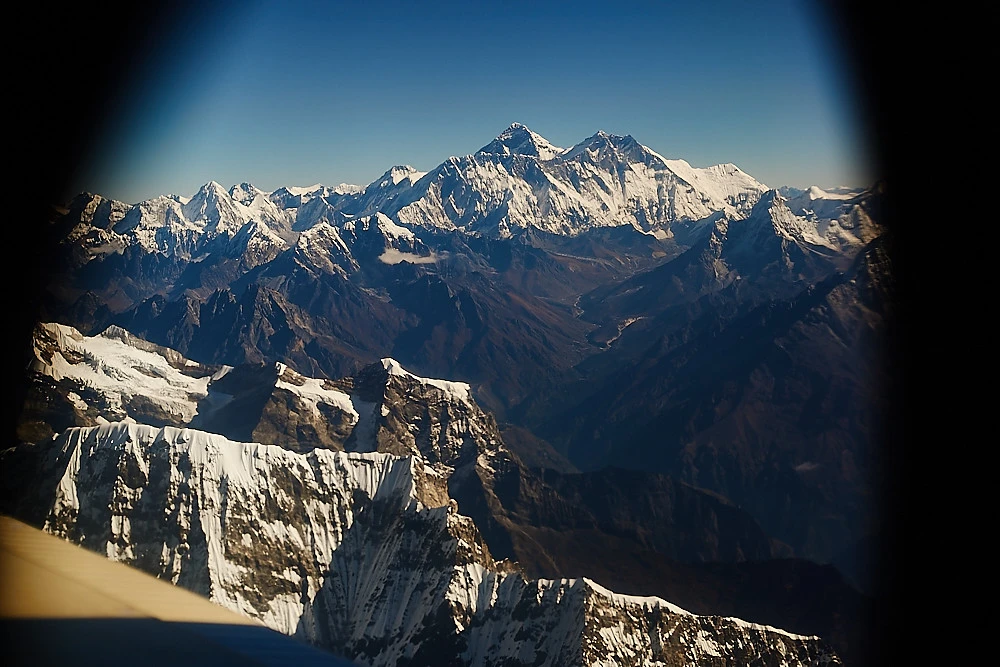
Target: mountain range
pixel 661 378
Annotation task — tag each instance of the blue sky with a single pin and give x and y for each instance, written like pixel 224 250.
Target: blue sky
pixel 299 92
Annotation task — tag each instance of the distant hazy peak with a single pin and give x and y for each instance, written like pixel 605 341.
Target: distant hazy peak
pixel 398 174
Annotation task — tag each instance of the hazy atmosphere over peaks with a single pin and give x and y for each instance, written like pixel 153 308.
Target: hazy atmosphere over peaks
pixel 300 92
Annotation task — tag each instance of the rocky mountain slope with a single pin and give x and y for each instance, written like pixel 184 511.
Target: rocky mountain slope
pixel 770 403
pixel 651 521
pixel 350 551
pixel 84 381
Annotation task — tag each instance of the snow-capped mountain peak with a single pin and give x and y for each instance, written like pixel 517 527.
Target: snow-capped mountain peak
pixel 771 216
pixel 519 140
pixel 397 175
pixel 602 145
pixel 209 190
pixel 245 193
pixel 840 216
pixel 604 181
pixel 815 192
pixel 213 204
pixel 322 247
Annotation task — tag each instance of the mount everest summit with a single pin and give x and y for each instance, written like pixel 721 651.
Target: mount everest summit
pixel 660 378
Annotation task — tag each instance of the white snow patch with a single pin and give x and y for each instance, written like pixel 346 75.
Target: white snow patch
pixel 390 229
pixel 298 190
pixel 312 393
pixel 77 402
pixel 457 390
pixel 120 372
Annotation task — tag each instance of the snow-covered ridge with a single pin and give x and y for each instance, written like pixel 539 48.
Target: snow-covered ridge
pixel 115 375
pixel 304 190
pixel 391 229
pixel 120 373
pixel 653 601
pixel 773 208
pixel 838 223
pixel 457 390
pixel 721 182
pixel 314 391
pixel 839 216
pixel 349 246
pixel 323 247
pixel 337 548
pixel 176 226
